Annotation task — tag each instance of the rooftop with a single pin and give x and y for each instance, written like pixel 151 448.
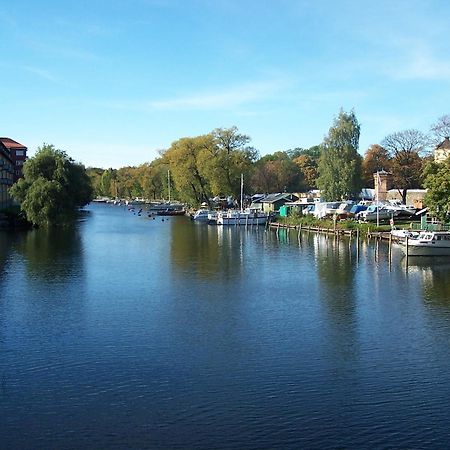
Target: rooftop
pixel 445 144
pixel 272 198
pixel 10 143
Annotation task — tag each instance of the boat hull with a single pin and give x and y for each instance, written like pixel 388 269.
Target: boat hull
pixel 428 243
pixel 171 213
pixel 241 218
pixel 241 221
pixel 202 215
pixel 426 250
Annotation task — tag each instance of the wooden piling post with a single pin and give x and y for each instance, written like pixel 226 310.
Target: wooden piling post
pixel 407 250
pixel 390 251
pixel 357 243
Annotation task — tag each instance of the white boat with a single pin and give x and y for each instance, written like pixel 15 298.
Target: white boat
pixel 245 217
pixel 202 215
pixel 376 212
pixel 428 243
pixel 400 208
pixel 157 208
pixel 401 234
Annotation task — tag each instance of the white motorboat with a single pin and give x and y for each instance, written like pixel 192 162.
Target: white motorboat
pixel 376 212
pixel 400 209
pixel 401 234
pixel 158 208
pixel 428 243
pixel 202 215
pixel 245 217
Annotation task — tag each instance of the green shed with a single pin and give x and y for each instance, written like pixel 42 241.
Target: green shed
pixel 285 210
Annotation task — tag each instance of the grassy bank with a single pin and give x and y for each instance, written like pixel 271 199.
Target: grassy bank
pixel 347 224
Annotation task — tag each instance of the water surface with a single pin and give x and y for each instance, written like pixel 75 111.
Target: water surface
pixel 129 332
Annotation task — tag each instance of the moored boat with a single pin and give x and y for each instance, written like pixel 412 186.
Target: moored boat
pixel 202 215
pixel 167 209
pixel 245 217
pixel 428 243
pixel 376 212
pixel 402 234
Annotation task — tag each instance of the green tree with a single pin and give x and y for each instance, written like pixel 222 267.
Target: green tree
pixel 437 182
pixel 185 157
pixel 53 187
pixel 313 152
pixel 276 173
pixel 308 167
pixel 340 163
pixel 228 158
pixel 95 174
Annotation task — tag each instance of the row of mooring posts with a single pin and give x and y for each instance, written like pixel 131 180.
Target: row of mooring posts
pixel 329 231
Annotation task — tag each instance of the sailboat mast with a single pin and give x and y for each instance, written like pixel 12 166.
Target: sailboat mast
pixel 378 199
pixel 168 183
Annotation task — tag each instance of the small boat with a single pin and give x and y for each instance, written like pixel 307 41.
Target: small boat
pixel 172 211
pixel 202 215
pixel 157 208
pixel 134 202
pixel 245 217
pixel 428 243
pixel 376 212
pixel 401 234
pixel 400 209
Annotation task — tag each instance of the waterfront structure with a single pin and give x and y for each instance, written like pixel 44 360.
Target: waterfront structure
pixel 6 176
pixel 18 154
pixel 273 202
pixel 442 151
pixel 382 182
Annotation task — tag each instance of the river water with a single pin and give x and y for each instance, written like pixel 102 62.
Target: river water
pixel 127 332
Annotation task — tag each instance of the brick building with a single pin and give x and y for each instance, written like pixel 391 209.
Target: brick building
pixel 18 154
pixel 6 176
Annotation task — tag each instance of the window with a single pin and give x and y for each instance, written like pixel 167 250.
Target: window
pixel 20 152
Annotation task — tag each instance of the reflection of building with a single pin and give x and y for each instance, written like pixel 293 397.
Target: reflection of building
pixel 442 151
pixel 18 154
pixel 6 176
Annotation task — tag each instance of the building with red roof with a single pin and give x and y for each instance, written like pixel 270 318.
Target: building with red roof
pixel 18 154
pixel 7 170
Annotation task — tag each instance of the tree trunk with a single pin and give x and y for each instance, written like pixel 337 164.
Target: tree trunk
pixel 404 193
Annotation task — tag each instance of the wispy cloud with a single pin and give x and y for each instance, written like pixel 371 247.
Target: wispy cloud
pixel 229 98
pixel 41 73
pixel 220 99
pixel 421 63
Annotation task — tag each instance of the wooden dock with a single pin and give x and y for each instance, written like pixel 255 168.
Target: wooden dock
pixel 380 235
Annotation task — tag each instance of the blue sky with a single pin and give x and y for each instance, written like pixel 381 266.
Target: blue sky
pixel 113 81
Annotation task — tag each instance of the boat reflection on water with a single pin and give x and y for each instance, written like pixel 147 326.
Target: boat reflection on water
pixel 435 272
pixel 431 262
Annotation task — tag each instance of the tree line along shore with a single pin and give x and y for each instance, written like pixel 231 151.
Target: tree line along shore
pixel 210 165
